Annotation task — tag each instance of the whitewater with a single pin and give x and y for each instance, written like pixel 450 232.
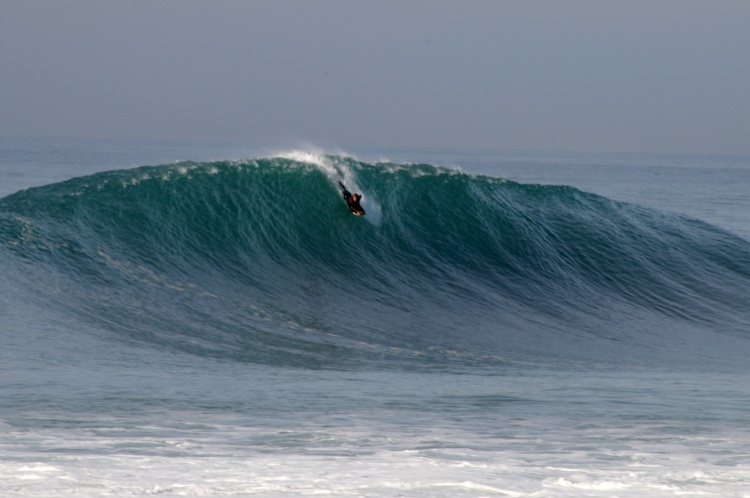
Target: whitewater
pixel 497 325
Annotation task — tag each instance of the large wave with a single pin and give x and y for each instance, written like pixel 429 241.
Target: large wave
pixel 261 261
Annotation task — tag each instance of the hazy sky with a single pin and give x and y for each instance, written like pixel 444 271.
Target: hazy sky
pixel 641 76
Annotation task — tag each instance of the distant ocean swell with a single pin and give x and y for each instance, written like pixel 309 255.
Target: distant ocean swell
pixel 260 261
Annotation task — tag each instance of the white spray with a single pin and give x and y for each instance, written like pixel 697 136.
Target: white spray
pixel 337 171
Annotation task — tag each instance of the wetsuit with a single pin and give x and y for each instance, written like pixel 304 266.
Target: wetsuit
pixel 353 204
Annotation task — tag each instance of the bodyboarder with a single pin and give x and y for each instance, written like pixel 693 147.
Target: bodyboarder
pixel 352 200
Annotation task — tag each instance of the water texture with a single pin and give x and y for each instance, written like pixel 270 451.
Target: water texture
pixel 229 328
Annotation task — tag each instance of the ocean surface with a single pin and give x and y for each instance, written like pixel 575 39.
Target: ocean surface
pixel 207 319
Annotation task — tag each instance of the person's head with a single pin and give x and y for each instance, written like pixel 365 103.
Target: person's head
pixel 356 197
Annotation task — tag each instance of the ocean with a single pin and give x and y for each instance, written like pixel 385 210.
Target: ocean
pixel 208 319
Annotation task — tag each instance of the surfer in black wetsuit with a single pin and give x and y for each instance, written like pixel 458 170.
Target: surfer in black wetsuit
pixel 352 200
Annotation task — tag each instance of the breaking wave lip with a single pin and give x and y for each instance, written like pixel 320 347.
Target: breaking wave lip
pixel 259 260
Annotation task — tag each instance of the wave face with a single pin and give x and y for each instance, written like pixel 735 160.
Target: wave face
pixel 260 261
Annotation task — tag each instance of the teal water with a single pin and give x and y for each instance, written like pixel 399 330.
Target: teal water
pixel 507 324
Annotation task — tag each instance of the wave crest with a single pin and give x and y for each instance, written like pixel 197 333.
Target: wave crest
pixel 260 261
